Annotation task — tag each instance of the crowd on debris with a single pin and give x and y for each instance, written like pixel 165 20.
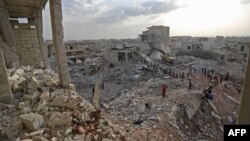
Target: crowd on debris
pixel 42 110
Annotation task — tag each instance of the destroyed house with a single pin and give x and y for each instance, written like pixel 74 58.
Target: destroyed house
pixel 23 43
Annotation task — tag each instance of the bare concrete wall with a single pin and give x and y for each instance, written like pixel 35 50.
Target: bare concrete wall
pixel 9 54
pixel 5 91
pixel 28 46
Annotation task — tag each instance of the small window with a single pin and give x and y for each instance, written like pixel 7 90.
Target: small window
pixel 71 47
pixel 189 47
pixel 242 48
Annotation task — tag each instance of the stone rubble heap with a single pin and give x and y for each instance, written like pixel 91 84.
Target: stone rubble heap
pixel 178 112
pixel 42 111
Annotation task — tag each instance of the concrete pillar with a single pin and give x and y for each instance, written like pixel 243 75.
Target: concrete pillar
pixel 244 115
pixel 126 54
pixel 5 90
pixel 96 96
pixel 5 26
pixel 57 32
pixel 43 49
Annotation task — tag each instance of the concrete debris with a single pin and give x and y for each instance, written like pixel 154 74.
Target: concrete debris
pixel 45 111
pixel 24 107
pixel 131 98
pixel 60 119
pixel 215 115
pixel 32 121
pixel 19 71
pixel 193 104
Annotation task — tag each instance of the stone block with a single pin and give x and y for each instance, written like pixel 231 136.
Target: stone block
pixel 58 101
pixel 39 138
pixel 19 71
pixel 24 107
pixel 14 131
pixel 84 117
pixel 44 96
pixel 60 119
pixel 32 121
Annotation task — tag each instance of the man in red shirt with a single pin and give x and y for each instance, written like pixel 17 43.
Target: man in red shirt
pixel 164 89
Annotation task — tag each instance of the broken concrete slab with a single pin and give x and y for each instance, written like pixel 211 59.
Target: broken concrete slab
pixel 44 96
pixel 32 121
pixel 14 131
pixel 84 117
pixel 72 103
pixel 194 102
pixel 39 138
pixel 58 101
pixel 14 77
pixel 36 133
pixel 32 85
pixel 19 71
pixel 60 119
pixel 39 71
pixel 24 107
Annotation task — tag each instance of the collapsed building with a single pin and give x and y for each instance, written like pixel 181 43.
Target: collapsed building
pixel 155 42
pixel 38 104
pixel 74 49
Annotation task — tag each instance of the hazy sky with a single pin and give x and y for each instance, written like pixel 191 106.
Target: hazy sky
pixel 95 19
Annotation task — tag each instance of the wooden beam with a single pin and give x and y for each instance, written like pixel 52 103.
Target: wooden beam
pixel 41 39
pixel 57 32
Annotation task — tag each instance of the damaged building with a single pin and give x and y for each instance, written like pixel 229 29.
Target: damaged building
pixel 92 101
pixel 155 41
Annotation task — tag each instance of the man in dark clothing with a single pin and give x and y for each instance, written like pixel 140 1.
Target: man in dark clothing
pixel 207 95
pixel 164 89
pixel 93 90
pixel 103 85
pixel 221 78
pixel 189 84
pixel 227 76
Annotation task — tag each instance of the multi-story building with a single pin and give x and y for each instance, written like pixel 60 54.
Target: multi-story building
pixel 74 49
pixel 244 49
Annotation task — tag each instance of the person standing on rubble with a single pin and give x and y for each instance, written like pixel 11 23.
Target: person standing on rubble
pixel 164 89
pixel 102 85
pixel 221 78
pixel 93 90
pixel 227 76
pixel 189 84
pixel 216 80
pixel 239 88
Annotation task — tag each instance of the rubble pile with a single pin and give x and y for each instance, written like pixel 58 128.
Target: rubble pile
pixel 42 110
pixel 236 70
pixel 179 112
pixel 131 103
pixel 186 61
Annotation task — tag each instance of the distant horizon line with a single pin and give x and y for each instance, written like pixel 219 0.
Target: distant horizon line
pixel 225 36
